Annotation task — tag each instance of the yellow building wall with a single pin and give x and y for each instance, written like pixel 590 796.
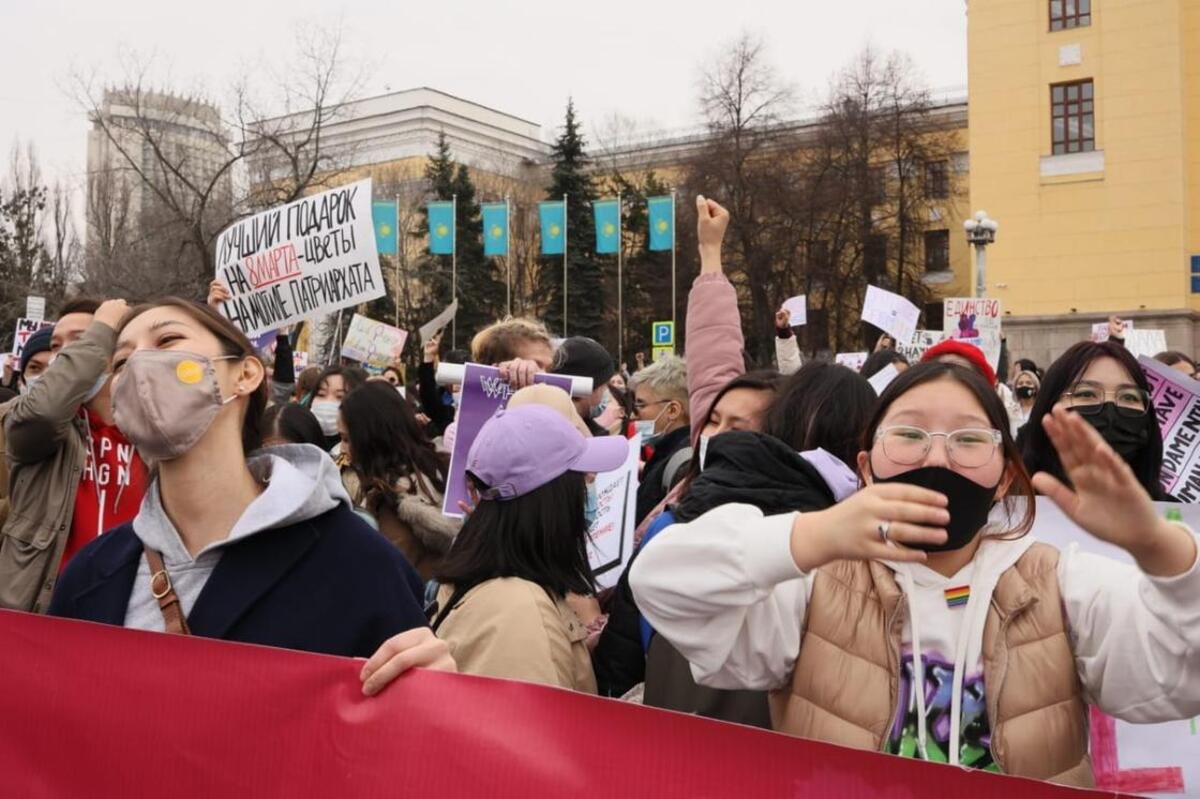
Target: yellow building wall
pixel 1112 240
pixel 1190 32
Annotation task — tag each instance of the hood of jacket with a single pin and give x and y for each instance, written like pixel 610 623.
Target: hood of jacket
pixel 301 482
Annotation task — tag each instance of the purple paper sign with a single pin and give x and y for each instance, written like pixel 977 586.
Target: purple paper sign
pixel 483 393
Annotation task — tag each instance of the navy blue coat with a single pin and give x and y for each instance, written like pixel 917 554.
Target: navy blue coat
pixel 330 585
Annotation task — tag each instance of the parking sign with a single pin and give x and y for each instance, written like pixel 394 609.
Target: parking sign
pixel 663 334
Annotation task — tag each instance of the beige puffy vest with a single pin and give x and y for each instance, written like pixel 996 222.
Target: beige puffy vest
pixel 844 688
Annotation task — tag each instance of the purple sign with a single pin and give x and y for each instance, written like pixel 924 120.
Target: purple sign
pixel 483 393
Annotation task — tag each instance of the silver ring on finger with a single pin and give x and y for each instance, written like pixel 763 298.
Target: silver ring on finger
pixel 885 528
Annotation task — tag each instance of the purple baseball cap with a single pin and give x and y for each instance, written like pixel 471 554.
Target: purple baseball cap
pixel 523 449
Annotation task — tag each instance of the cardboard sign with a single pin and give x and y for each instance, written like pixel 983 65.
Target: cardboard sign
pixel 921 341
pixel 309 257
pixel 658 353
pixel 373 343
pixel 1146 342
pixel 24 329
pixel 439 322
pixel 1100 330
pixel 851 360
pixel 798 308
pixel 483 393
pixel 299 360
pixel 976 321
pixel 610 538
pixel 883 378
pixel 35 308
pixel 1176 401
pixel 891 313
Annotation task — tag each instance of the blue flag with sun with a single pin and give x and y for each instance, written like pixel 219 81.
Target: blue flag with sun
pixel 552 214
pixel 495 228
pixel 608 226
pixel 441 227
pixel 383 215
pixel 662 221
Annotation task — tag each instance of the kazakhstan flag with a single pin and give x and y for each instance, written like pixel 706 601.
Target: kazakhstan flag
pixel 495 228
pixel 441 227
pixel 384 216
pixel 662 221
pixel 552 214
pixel 608 225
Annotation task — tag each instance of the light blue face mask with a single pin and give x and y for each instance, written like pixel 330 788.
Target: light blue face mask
pixel 591 505
pixel 600 407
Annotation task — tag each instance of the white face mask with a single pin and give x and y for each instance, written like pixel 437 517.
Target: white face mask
pixel 703 451
pixel 327 412
pixel 648 428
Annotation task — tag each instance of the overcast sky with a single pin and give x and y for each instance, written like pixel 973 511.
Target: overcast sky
pixel 640 59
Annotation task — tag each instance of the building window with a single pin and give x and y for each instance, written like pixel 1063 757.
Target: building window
pixel 1070 14
pixel 935 315
pixel 875 257
pixel 937 250
pixel 937 180
pixel 1073 117
pixel 1196 274
pixel 877 185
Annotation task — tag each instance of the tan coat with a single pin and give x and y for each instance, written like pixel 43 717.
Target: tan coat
pixel 852 636
pixel 511 628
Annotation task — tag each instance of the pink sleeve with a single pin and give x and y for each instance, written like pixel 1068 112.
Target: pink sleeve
pixel 714 344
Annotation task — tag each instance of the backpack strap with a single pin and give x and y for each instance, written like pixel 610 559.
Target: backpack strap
pixel 674 464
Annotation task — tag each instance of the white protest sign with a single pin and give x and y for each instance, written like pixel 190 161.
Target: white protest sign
pixel 1145 342
pixel 610 538
pixel 851 360
pixel 1146 759
pixel 312 256
pixel 921 341
pixel 373 343
pixel 891 313
pixel 1176 401
pixel 431 328
pixel 35 308
pixel 1100 330
pixel 883 378
pixel 24 329
pixel 798 308
pixel 976 321
pixel 299 361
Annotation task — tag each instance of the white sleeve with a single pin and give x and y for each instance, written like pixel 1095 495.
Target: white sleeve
pixel 726 592
pixel 1136 637
pixel 787 354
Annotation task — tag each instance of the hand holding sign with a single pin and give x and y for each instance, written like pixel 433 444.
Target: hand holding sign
pixel 1108 501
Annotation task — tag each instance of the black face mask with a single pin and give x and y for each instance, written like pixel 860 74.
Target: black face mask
pixel 1026 392
pixel 970 503
pixel 1127 435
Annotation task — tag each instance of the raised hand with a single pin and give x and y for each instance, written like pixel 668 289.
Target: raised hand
pixel 783 319
pixel 1107 500
pixel 518 372
pixel 711 222
pixel 111 312
pixel 430 348
pixel 1116 328
pixel 217 294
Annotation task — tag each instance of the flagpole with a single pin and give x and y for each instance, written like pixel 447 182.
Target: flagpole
pixel 672 258
pixel 620 295
pixel 564 266
pixel 454 268
pixel 397 229
pixel 508 255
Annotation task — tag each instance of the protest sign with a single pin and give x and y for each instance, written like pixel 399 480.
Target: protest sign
pixel 851 360
pixel 798 308
pixel 312 256
pixel 300 361
pixel 24 329
pixel 1146 759
pixel 976 321
pixel 610 538
pixel 431 328
pixel 1176 401
pixel 259 721
pixel 373 343
pixel 891 313
pixel 483 393
pixel 883 378
pixel 1146 342
pixel 921 341
pixel 1100 330
pixel 35 308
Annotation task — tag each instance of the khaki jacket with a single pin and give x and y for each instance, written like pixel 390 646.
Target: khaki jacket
pixel 511 628
pixel 45 446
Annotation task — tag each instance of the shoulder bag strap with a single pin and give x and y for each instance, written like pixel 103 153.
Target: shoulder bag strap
pixel 164 594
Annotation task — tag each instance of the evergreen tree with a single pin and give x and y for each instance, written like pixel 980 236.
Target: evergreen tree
pixel 585 296
pixel 480 291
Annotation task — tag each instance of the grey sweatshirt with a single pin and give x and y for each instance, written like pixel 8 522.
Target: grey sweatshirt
pixel 301 482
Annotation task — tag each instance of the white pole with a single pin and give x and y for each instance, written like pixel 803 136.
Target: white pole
pixel 454 267
pixel 980 266
pixel 564 266
pixel 398 261
pixel 508 255
pixel 672 258
pixel 620 295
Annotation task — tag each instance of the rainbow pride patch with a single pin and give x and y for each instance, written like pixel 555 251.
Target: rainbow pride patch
pixel 958 596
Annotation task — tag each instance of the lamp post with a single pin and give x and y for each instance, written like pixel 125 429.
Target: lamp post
pixel 981 231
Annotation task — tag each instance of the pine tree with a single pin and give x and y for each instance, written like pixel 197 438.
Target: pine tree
pixel 585 297
pixel 481 294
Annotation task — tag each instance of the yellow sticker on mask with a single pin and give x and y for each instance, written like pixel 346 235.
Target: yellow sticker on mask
pixel 189 372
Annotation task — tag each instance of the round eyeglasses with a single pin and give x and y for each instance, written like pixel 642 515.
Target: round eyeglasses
pixel 969 448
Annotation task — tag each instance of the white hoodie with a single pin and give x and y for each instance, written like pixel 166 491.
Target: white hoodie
pixel 726 592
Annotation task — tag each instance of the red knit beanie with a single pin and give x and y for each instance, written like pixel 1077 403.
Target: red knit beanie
pixel 966 350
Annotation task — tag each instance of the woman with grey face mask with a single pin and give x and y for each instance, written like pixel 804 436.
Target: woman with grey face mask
pixel 255 547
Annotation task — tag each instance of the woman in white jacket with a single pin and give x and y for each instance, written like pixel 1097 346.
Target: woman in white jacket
pixel 1012 638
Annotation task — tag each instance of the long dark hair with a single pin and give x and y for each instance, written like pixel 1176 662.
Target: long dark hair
pixel 540 536
pixel 822 405
pixel 387 442
pixel 233 342
pixel 997 416
pixel 293 423
pixel 352 379
pixel 1039 453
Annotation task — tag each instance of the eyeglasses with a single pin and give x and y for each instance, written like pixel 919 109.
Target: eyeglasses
pixel 640 406
pixel 969 448
pixel 1088 397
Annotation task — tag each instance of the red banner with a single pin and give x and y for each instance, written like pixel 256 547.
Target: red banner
pixel 90 710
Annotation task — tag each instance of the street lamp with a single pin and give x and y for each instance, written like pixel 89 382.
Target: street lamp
pixel 981 231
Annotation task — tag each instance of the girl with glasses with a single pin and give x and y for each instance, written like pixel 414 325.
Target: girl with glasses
pixel 901 620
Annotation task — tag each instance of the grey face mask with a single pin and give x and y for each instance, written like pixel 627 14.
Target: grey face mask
pixel 166 400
